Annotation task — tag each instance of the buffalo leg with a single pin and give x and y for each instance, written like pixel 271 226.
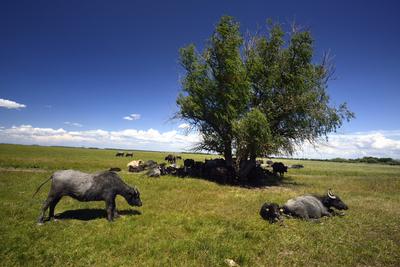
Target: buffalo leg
pixel 45 206
pixel 52 207
pixel 110 207
pixel 116 214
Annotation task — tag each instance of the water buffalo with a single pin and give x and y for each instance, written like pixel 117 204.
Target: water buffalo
pixel 149 164
pixel 188 163
pixel 154 171
pixel 88 187
pixel 170 158
pixel 296 166
pixel 279 167
pixel 196 170
pixel 314 207
pixel 271 212
pixel 135 166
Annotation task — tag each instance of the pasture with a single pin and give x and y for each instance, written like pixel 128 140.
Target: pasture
pixel 194 222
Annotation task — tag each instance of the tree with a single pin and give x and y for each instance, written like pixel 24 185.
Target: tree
pixel 216 90
pixel 259 97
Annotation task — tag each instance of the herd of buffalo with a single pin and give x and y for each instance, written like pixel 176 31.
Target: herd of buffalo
pixel 106 185
pixel 211 169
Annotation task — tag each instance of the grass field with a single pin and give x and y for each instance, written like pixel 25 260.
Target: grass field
pixel 193 222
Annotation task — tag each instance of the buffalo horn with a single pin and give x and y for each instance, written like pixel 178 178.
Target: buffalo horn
pixel 330 194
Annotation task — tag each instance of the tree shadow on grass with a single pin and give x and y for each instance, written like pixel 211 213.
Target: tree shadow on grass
pixel 290 181
pixel 268 182
pixel 91 214
pixel 257 182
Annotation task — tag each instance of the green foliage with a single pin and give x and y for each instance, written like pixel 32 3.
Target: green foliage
pixel 252 134
pixel 192 222
pixel 272 77
pixel 215 88
pixel 290 89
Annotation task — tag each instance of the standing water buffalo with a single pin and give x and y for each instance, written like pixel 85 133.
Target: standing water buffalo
pixel 171 159
pixel 279 167
pixel 314 207
pixel 119 154
pixel 88 187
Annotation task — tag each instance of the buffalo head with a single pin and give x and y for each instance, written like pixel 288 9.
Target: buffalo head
pixel 134 197
pixel 331 200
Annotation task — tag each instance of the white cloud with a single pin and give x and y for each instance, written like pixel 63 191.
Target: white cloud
pixel 4 103
pixel 132 117
pixel 150 139
pixel 73 124
pixel 355 145
pixel 184 126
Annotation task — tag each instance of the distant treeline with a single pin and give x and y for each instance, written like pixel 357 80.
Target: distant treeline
pixel 388 161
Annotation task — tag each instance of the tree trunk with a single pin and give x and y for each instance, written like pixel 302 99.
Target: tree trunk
pixel 228 153
pixel 246 166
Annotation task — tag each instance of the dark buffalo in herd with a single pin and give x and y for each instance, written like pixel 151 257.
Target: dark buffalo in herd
pixel 279 167
pixel 121 154
pixel 211 169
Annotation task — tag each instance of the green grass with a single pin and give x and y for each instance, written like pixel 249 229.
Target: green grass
pixel 193 222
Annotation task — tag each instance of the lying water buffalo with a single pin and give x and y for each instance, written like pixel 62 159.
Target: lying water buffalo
pixel 149 164
pixel 296 166
pixel 314 207
pixel 154 171
pixel 271 212
pixel 88 187
pixel 188 163
pixel 135 166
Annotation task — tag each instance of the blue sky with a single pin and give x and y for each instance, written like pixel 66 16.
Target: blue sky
pixel 82 66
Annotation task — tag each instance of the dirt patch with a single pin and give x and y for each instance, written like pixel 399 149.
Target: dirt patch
pixel 23 170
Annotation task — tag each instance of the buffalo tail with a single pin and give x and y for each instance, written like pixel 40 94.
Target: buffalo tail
pixel 40 186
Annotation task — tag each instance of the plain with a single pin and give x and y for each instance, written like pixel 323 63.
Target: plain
pixel 193 222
